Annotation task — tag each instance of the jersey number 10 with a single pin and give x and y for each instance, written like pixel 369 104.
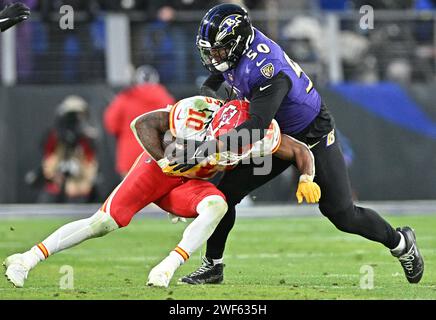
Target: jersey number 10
pixel 196 120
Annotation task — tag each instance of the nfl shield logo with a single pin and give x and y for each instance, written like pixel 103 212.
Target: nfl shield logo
pixel 267 70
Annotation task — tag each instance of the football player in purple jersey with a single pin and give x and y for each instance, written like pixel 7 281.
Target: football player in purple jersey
pixel 260 71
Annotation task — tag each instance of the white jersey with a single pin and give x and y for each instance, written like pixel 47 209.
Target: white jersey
pixel 189 119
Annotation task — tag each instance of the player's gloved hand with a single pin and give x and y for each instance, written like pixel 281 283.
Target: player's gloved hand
pixel 13 14
pixel 307 189
pixel 174 219
pixel 193 153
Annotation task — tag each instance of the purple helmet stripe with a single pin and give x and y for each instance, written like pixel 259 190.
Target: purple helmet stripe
pixel 203 24
pixel 208 26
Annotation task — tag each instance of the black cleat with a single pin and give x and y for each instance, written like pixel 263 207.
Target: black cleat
pixel 411 259
pixel 208 273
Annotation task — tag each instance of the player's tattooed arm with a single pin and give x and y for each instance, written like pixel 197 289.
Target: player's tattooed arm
pixel 293 150
pixel 150 129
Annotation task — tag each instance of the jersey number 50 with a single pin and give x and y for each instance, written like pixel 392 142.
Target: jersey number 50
pixel 295 66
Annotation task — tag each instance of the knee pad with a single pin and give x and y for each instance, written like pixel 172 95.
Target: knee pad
pixel 214 205
pixel 102 223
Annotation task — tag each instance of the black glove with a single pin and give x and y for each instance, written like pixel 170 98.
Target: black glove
pixel 13 14
pixel 192 153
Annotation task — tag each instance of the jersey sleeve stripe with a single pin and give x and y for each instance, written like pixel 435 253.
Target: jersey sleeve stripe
pixel 278 145
pixel 172 120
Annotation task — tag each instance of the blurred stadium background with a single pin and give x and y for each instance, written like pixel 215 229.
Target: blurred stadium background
pixel 379 83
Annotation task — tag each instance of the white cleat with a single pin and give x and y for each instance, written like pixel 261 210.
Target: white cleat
pixel 159 279
pixel 160 276
pixel 16 269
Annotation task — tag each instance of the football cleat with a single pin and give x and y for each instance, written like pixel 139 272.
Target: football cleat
pixel 411 259
pixel 159 279
pixel 208 273
pixel 16 270
pixel 161 275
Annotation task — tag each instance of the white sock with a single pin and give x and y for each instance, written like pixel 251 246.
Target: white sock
pixel 170 264
pixel 210 212
pixel 33 256
pixel 175 259
pixel 217 261
pixel 401 246
pixel 70 235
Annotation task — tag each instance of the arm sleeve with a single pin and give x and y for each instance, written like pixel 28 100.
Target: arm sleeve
pixel 13 14
pixel 266 100
pixel 212 85
pixel 7 23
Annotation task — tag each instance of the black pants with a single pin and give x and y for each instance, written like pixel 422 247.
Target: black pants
pixel 336 198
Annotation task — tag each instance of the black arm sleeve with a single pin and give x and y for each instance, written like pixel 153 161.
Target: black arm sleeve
pixel 4 25
pixel 13 14
pixel 212 85
pixel 265 101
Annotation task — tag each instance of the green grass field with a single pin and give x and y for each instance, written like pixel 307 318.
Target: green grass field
pixel 276 258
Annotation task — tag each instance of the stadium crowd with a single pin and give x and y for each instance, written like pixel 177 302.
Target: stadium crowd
pixel 162 36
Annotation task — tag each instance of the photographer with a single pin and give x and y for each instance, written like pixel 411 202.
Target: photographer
pixel 69 165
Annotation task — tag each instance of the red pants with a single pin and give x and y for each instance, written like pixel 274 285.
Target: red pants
pixel 146 183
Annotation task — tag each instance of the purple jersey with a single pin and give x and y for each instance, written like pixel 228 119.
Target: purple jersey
pixel 263 60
